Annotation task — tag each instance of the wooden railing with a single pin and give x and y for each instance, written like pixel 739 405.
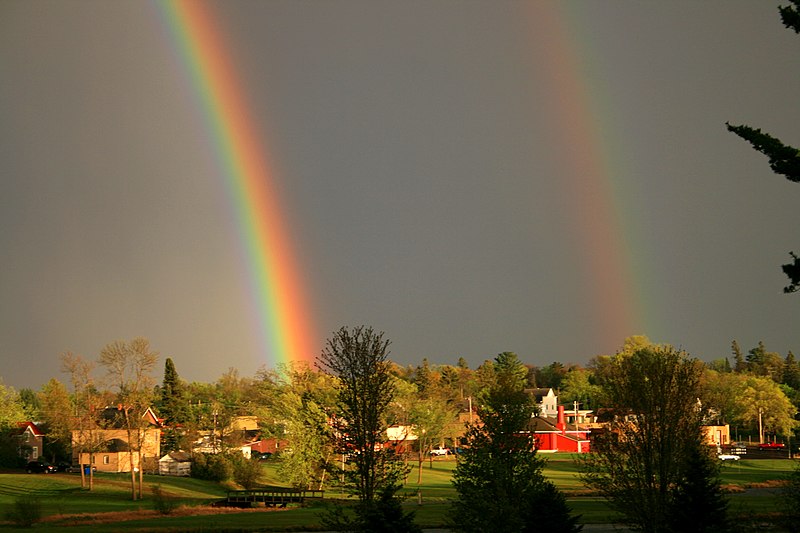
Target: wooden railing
pixel 273 497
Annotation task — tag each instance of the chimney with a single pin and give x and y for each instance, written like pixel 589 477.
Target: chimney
pixel 561 425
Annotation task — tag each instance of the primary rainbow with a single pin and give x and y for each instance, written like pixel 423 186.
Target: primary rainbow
pixel 285 323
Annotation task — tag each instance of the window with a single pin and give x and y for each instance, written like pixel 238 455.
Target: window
pixel 35 452
pixel 106 460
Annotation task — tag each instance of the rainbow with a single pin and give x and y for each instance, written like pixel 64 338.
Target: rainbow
pixel 285 324
pixel 597 205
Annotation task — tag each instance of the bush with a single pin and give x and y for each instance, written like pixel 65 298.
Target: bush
pixel 790 502
pixel 161 502
pixel 212 467
pixel 25 511
pixel 246 472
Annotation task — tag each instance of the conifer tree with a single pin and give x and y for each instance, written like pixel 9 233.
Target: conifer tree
pixel 739 364
pixel 172 407
pixel 783 159
pixel 499 476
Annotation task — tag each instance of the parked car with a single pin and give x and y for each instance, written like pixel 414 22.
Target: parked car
pixel 440 451
pixel 771 446
pixel 728 457
pixel 39 467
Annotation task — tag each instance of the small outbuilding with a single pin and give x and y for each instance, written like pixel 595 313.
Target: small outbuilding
pixel 175 464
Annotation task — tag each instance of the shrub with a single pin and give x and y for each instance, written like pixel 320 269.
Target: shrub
pixel 25 511
pixel 161 502
pixel 212 467
pixel 790 502
pixel 246 471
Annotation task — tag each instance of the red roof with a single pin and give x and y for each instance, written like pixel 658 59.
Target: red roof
pixel 33 427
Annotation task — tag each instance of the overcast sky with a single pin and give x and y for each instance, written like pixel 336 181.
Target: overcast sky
pixel 469 177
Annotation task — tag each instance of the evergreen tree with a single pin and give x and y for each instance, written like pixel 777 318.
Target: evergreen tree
pixel 508 367
pixel 739 364
pixel 790 15
pixel 699 505
pixel 499 478
pixel 173 401
pixel 423 378
pixel 783 159
pixel 755 358
pixel 791 372
pixel 173 408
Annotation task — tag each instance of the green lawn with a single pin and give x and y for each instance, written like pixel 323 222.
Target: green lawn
pixel 61 494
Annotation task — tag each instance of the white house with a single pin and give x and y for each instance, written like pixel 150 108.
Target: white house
pixel 175 464
pixel 546 400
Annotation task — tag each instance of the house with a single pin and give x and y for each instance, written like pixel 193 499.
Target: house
pixel 239 433
pixel 31 440
pixel 175 464
pixel 110 449
pixel 268 446
pixel 557 435
pixel 546 401
pixel 400 438
pixel 717 435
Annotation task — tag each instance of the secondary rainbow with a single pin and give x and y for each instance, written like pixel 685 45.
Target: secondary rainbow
pixel 285 324
pixel 596 197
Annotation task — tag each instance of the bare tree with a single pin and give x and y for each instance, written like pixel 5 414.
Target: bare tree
pixel 128 366
pixel 86 409
pixel 358 357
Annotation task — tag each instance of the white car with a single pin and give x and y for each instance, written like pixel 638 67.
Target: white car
pixel 440 451
pixel 728 457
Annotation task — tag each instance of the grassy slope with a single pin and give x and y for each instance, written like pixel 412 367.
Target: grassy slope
pixel 61 495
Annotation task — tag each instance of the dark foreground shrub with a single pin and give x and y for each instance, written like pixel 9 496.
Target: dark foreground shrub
pixel 161 502
pixel 25 511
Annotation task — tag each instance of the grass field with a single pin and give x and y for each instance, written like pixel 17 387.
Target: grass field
pixel 752 484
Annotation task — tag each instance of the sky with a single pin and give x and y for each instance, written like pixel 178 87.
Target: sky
pixel 469 177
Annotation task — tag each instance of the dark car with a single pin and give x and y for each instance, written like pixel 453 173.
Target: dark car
pixel 39 467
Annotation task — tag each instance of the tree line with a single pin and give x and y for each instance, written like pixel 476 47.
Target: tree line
pixel 757 392
pixel 334 417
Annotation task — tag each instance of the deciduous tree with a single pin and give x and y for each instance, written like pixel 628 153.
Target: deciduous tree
pixel 56 410
pixel 577 386
pixel 766 406
pixel 86 409
pixel 304 403
pixel 128 367
pixel 358 358
pixel 640 465
pixel 11 410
